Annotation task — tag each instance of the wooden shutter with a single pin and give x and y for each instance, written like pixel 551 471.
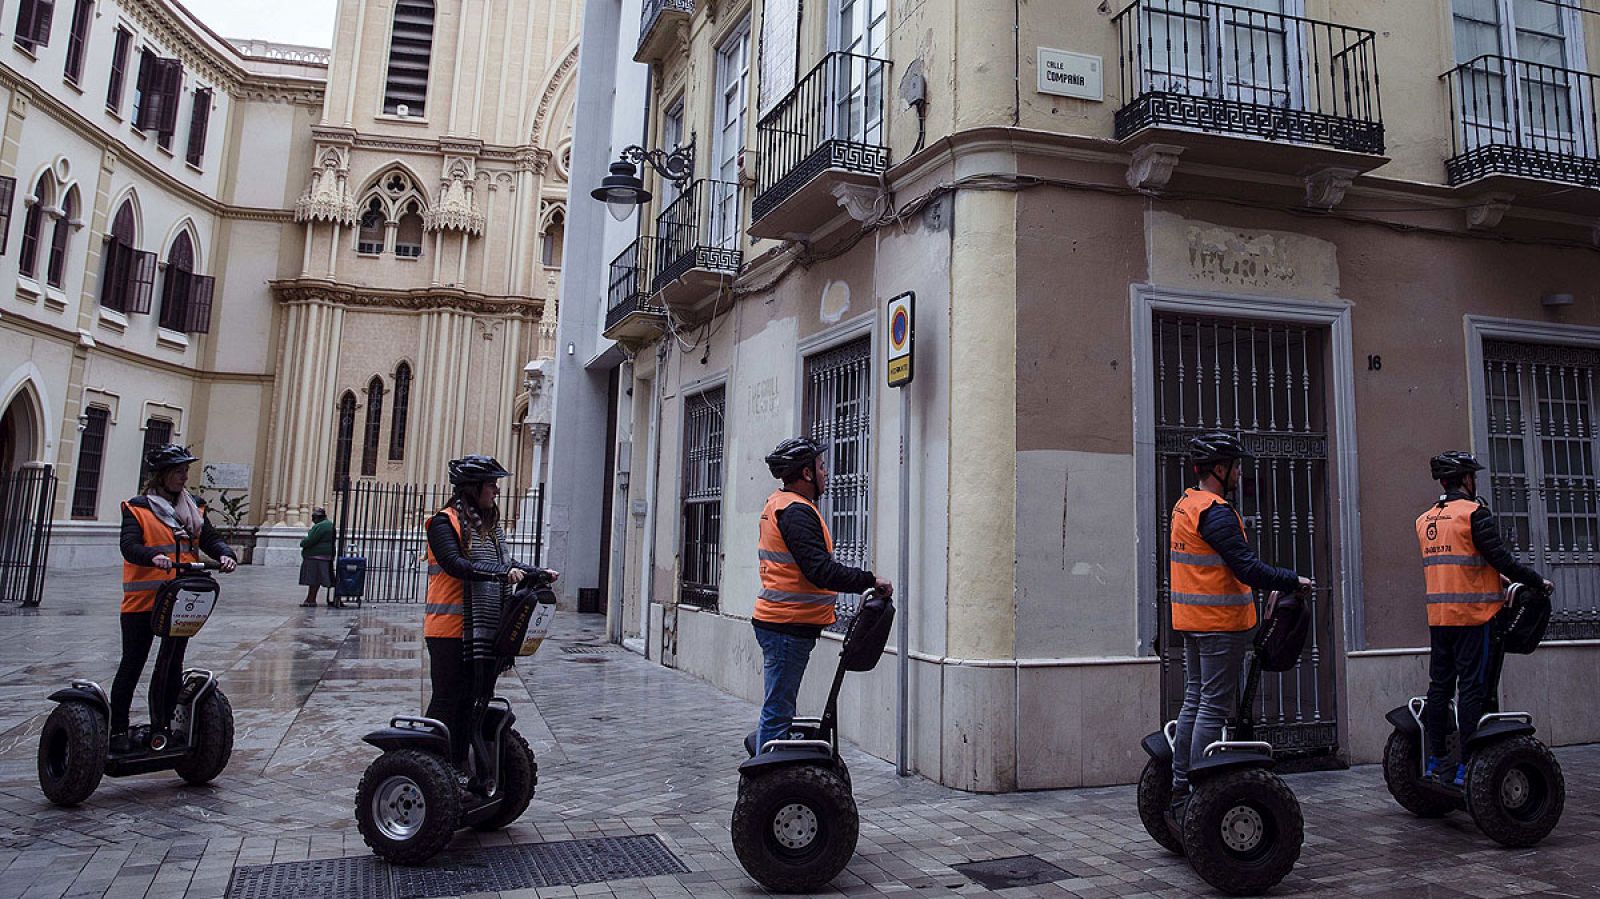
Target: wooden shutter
pixel 44 12
pixel 142 113
pixel 197 314
pixel 8 195
pixel 140 278
pixel 199 121
pixel 170 88
pixel 113 276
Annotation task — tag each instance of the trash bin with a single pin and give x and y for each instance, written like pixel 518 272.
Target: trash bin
pixel 350 576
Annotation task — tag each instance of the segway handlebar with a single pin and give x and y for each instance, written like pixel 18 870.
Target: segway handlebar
pixel 197 566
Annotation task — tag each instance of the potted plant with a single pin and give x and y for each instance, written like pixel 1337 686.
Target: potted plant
pixel 231 505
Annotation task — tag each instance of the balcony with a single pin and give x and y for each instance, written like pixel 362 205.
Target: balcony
pixel 698 250
pixel 631 317
pixel 828 133
pixel 1515 122
pixel 1214 82
pixel 657 27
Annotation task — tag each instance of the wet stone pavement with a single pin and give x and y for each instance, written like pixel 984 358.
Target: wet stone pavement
pixel 625 748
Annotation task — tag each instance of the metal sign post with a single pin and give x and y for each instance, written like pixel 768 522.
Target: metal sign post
pixel 901 329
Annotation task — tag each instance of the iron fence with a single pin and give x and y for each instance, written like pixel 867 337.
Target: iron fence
pixel 700 229
pixel 632 277
pixel 27 500
pixel 834 118
pixel 1236 70
pixel 386 524
pixel 1510 117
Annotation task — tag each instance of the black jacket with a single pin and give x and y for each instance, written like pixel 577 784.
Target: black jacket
pixel 132 537
pixel 447 548
pixel 801 529
pixel 1220 528
pixel 1486 537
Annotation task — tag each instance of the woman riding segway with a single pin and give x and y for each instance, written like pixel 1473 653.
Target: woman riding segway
pixel 162 527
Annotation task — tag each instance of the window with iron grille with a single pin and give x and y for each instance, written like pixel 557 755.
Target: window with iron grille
pixel 119 70
pixel 157 431
pixel 345 438
pixel 369 435
pixel 33 23
pixel 838 412
pixel 78 39
pixel 702 498
pixel 402 411
pixel 91 455
pixel 1543 483
pixel 199 122
pixel 410 50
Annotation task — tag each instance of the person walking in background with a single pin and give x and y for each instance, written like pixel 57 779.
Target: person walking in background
pixel 316 559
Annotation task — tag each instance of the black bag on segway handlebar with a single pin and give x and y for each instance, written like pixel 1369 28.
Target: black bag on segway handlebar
pixel 1523 619
pixel 868 634
pixel 525 618
pixel 182 605
pixel 1282 637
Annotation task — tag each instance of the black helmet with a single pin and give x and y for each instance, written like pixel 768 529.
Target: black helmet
pixel 167 455
pixel 475 469
pixel 792 455
pixel 1215 447
pixel 1453 464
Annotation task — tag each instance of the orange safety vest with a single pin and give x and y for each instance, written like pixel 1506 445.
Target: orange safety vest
pixel 443 614
pixel 140 582
pixel 1463 589
pixel 786 596
pixel 1206 595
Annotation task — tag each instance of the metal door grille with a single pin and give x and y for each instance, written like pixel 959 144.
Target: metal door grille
pixel 838 412
pixel 702 498
pixel 27 497
pixel 1543 484
pixel 1263 382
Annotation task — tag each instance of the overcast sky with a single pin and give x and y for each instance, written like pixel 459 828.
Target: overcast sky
pixel 308 22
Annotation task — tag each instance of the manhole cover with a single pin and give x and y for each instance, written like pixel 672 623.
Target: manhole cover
pixel 1017 871
pixel 568 863
pixel 588 648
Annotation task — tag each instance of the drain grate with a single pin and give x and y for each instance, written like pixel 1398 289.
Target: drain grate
pixel 567 863
pixel 1016 871
pixel 574 649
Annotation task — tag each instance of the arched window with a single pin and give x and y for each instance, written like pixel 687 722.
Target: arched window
pixel 369 436
pixel 56 270
pixel 44 196
pixel 408 236
pixel 410 49
pixel 402 410
pixel 128 279
pixel 370 238
pixel 125 226
pixel 554 239
pixel 345 440
pixel 175 283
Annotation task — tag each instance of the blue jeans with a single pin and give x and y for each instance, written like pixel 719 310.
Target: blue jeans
pixel 783 665
pixel 1212 666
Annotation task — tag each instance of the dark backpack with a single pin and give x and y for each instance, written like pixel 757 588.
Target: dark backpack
pixel 868 634
pixel 1523 619
pixel 1282 636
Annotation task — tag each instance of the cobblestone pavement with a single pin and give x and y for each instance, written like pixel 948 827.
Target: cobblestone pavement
pixel 625 747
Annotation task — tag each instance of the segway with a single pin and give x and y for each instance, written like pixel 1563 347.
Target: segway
pixel 1514 788
pixel 795 822
pixel 1241 828
pixel 74 749
pixel 412 799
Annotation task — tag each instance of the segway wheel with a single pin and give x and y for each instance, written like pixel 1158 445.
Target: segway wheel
pixel 795 827
pixel 1402 774
pixel 213 739
pixel 1242 831
pixel 72 753
pixel 1155 802
pixel 407 806
pixel 519 775
pixel 1515 791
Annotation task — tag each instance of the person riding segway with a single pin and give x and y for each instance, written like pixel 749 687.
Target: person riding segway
pixel 1493 767
pixel 1205 791
pixel 462 764
pixel 166 595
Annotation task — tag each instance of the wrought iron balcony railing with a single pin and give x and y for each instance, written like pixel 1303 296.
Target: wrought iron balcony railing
pixel 834 118
pixel 632 276
pixel 1225 69
pixel 654 12
pixel 1526 119
pixel 701 229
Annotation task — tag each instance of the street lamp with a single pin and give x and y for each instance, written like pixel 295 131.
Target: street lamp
pixel 622 191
